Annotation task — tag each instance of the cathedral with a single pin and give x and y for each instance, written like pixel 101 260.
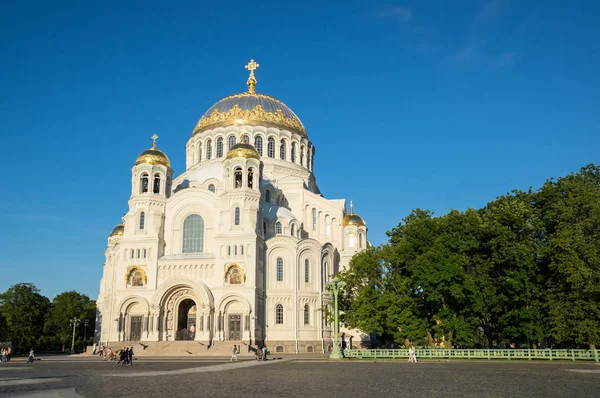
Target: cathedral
pixel 238 247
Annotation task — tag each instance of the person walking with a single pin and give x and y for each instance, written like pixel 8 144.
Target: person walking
pixel 412 354
pixel 31 356
pixel 130 356
pixel 234 354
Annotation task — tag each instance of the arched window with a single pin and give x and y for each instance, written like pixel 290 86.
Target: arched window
pixel 199 153
pixel 229 250
pixel 292 229
pixel 250 177
pixel 264 231
pixel 212 188
pixel 144 183
pixel 238 177
pixel 293 154
pixel 268 196
pixel 138 253
pixel 360 240
pixel 327 226
pixel 350 240
pixel 208 149
pixel 279 314
pixel 144 253
pixel 142 219
pixel 220 147
pixel 277 228
pixel 246 139
pixel 314 220
pixel 193 234
pixel 237 216
pixel 156 188
pixel 258 144
pixel 306 315
pixel 308 158
pixel 306 271
pixel 282 149
pixel 279 269
pixel 242 250
pixel 271 148
pixel 231 142
pixel 132 253
pixel 302 155
pixel 235 250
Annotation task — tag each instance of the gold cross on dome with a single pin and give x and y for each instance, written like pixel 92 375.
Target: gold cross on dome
pixel 252 66
pixel 154 137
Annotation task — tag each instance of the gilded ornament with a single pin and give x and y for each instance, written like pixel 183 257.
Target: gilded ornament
pixel 255 116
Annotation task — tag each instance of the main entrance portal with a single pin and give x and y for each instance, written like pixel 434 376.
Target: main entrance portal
pixel 186 320
pixel 136 328
pixel 235 327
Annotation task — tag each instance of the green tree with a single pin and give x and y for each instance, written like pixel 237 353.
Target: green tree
pixel 66 306
pixel 511 248
pixel 435 254
pixel 571 212
pixel 24 309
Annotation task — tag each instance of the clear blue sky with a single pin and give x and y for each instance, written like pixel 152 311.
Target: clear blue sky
pixel 432 104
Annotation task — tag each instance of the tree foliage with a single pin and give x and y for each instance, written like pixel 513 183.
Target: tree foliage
pixel 24 309
pixel 523 270
pixel 28 319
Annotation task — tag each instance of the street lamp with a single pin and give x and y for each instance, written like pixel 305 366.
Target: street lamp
pixel 334 286
pixel 73 322
pixel 86 323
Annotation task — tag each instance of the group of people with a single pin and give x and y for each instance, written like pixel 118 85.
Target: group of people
pixel 6 353
pixel 123 356
pixel 261 353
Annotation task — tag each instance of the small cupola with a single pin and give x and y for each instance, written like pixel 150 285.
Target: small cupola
pixel 153 156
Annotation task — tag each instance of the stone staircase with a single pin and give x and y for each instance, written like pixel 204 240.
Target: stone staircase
pixel 184 348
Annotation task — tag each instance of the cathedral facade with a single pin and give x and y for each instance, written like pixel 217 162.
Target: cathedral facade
pixel 237 248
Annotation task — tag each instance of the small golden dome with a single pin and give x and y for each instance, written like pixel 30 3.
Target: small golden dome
pixel 243 150
pixel 353 219
pixel 153 156
pixel 118 230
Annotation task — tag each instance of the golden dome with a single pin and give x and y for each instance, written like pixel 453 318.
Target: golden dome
pixel 353 219
pixel 250 108
pixel 153 156
pixel 118 230
pixel 244 150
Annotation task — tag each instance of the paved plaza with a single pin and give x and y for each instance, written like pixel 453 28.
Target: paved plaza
pixel 296 377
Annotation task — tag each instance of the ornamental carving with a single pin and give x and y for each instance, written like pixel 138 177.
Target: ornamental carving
pixel 258 115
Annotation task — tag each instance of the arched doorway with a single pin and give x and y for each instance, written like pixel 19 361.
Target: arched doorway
pixel 186 320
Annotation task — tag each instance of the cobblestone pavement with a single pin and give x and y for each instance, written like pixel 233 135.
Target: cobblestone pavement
pixel 299 378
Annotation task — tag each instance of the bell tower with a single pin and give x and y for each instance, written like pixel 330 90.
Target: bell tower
pixel 151 177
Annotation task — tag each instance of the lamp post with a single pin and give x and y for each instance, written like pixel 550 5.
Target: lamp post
pixel 334 286
pixel 73 322
pixel 86 323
